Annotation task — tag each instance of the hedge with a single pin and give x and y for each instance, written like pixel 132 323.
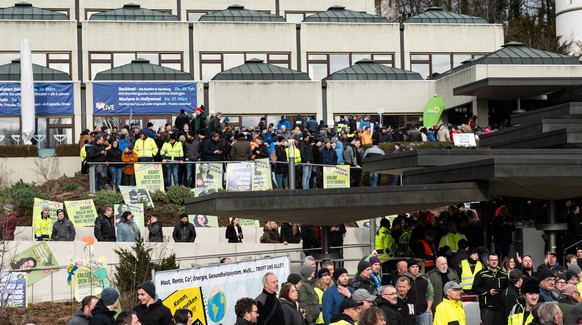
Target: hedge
pixel 18 151
pixel 67 150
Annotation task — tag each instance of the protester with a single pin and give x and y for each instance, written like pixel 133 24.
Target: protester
pixel 423 293
pixel 149 310
pixel 234 232
pixel 363 296
pixel 127 318
pixel 104 309
pixel 183 317
pixel 184 231
pixel 511 294
pixel 270 310
pixel 489 284
pixel 127 229
pixel 8 223
pixel 349 313
pixel 372 316
pixel 363 279
pixel 83 314
pixel 437 276
pixel 154 225
pixel 246 311
pixel 63 228
pixel 288 296
pixel 308 298
pixel 450 310
pixel 334 295
pixel 271 233
pixel 42 224
pixel 104 229
pixel 388 303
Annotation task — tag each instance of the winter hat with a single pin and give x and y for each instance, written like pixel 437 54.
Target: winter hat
pixel 349 303
pixel 362 265
pixel 294 278
pixel 374 259
pixel 575 268
pixel 530 286
pixel 571 275
pixel 149 288
pixel 306 271
pixel 338 272
pixel 323 272
pixel 411 262
pixel 544 274
pixel 8 208
pixel 109 296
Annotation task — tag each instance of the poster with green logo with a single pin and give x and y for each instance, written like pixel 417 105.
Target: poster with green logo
pixel 432 111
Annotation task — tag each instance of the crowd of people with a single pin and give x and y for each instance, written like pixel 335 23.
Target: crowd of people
pixel 196 137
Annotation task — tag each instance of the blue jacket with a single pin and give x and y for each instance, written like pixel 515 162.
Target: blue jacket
pixel 124 232
pixel 340 153
pixel 149 133
pixel 331 301
pixel 284 122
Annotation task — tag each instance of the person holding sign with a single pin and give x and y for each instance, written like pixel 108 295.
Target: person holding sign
pixel 172 153
pixel 42 224
pixel 63 228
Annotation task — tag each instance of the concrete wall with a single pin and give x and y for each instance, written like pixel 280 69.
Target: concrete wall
pixel 27 169
pixel 209 247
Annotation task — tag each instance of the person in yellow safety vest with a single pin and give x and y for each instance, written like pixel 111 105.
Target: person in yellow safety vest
pixel 521 312
pixel 171 152
pixel 469 268
pixel 452 238
pixel 323 282
pixel 296 152
pixel 450 310
pixel 145 148
pixel 42 224
pixel 349 313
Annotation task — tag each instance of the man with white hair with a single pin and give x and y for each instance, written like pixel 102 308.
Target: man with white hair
pixel 550 313
pixel 450 310
pixel 270 311
pixel 439 277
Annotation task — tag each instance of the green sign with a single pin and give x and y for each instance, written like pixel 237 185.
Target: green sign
pixel 432 111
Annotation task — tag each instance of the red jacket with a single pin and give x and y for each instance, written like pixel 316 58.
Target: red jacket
pixel 8 226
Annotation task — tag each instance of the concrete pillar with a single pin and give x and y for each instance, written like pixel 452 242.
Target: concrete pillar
pixel 481 109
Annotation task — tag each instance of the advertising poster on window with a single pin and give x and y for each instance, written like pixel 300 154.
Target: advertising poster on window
pixel 150 176
pixel 137 211
pixel 143 97
pixel 336 176
pixel 202 220
pixel 207 178
pixel 33 260
pixel 49 98
pixel 262 179
pixel 212 291
pixel 239 176
pixel 82 213
pixel 136 195
pixel 39 223
pixel 13 289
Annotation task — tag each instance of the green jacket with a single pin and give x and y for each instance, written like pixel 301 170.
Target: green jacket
pixel 309 301
pixel 436 281
pixel 385 244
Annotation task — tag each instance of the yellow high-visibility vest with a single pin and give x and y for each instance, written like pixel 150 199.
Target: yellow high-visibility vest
pixel 467 277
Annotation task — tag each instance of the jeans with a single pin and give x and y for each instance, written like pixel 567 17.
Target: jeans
pixel 307 168
pixel 189 168
pixel 374 179
pixel 424 319
pixel 171 171
pixel 115 175
pixel 282 180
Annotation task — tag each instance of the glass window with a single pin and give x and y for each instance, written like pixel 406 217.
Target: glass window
pixel 459 58
pixel 357 57
pixel 59 56
pixel 247 121
pixel 64 67
pixel 422 68
pixel 207 56
pixel 260 56
pixel 209 70
pixel 60 120
pixel 175 66
pixel 279 57
pixel 109 121
pixel 39 58
pixel 419 57
pixel 382 57
pixel 99 67
pixel 317 57
pixel 120 59
pixel 317 71
pixel 60 136
pixel 6 58
pixel 441 63
pixel 171 56
pixel 295 18
pixel 233 60
pixel 100 56
pixel 152 57
pixel 338 62
pixel 195 16
pixel 9 126
pixel 281 65
pixel 273 119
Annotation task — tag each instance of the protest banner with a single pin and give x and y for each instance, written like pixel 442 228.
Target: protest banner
pixel 262 178
pixel 13 289
pixel 137 210
pixel 202 220
pixel 37 211
pixel 82 213
pixel 37 257
pixel 149 176
pixel 136 195
pixel 247 222
pixel 336 176
pixel 464 140
pixel 208 178
pixel 88 279
pixel 220 286
pixel 239 176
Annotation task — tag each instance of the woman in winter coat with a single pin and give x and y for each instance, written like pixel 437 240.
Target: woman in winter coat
pixel 115 170
pixel 288 297
pixel 290 233
pixel 127 230
pixel 271 233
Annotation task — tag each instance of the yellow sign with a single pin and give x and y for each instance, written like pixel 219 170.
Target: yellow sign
pixel 336 176
pixel 150 176
pixel 82 213
pixel 190 299
pixel 86 283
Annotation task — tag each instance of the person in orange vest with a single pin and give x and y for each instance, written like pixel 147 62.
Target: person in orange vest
pixel 426 249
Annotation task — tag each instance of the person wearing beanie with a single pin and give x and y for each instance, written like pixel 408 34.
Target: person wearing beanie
pixel 150 310
pixel 363 279
pixel 145 147
pixel 334 295
pixel 42 224
pixel 129 156
pixel 521 312
pixel 376 270
pixel 548 290
pixel 468 268
pixel 104 311
pixel 489 284
pixel 385 247
pixel 184 231
pixel 422 291
pixel 572 277
pixel 63 228
pixel 294 279
pixel 8 223
pixel 511 293
pixel 308 299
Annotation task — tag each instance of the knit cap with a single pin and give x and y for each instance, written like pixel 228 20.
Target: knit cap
pixel 109 296
pixel 149 288
pixel 294 278
pixel 306 271
pixel 338 272
pixel 362 265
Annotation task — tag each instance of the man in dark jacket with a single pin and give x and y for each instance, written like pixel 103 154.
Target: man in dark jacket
pixel 97 152
pixel 184 231
pixel 363 280
pixel 270 311
pixel 307 159
pixel 104 311
pixel 308 299
pixel 8 223
pixel 349 312
pixel 241 149
pixel 104 229
pixel 511 293
pixel 151 311
pixel 246 311
pixel 192 149
pixel 63 228
pixel 311 242
pixel 389 304
pixel 181 119
pixel 489 284
pixel 155 229
pixel 83 315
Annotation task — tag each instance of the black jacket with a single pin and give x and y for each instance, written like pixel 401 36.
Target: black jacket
pixel 155 314
pixel 94 153
pixel 393 317
pixel 184 233
pixel 287 233
pixel 104 229
pixel 270 310
pixel 102 315
pixel 328 156
pixel 241 321
pixel 156 233
pixel 306 152
pixel 231 234
pixel 309 237
pixel 485 280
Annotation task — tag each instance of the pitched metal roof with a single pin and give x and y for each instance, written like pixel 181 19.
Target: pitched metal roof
pixel 141 69
pixel 255 69
pixel 11 72
pixel 516 53
pixel 438 15
pixel 339 14
pixel 366 69
pixel 134 12
pixel 25 11
pixel 239 13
